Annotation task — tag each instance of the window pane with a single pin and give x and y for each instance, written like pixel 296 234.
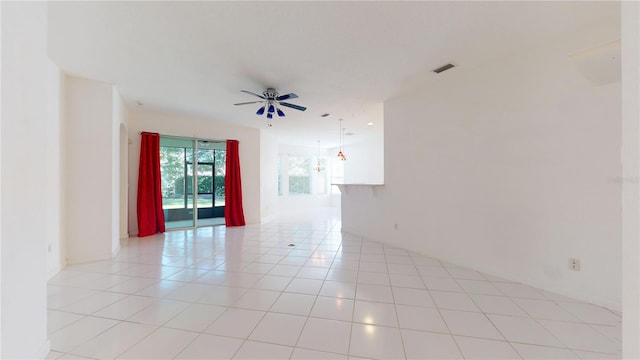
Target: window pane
pixel 299 175
pixel 172 169
pixel 205 156
pixel 220 168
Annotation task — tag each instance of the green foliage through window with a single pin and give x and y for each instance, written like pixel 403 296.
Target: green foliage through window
pixel 176 166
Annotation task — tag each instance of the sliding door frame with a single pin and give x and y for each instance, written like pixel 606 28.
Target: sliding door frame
pixel 194 177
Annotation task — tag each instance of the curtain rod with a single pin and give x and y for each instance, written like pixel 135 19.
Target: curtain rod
pixel 182 137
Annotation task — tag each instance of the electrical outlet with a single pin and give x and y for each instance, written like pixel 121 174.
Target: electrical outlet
pixel 574 264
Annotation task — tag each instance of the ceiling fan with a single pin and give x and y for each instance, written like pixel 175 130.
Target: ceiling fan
pixel 272 100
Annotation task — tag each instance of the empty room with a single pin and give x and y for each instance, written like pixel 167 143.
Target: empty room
pixel 319 180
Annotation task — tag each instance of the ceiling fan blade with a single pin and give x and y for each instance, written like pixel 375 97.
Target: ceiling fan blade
pixel 287 97
pixel 293 106
pixel 248 102
pixel 252 93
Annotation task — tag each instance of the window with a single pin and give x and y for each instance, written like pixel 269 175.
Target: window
pixel 299 175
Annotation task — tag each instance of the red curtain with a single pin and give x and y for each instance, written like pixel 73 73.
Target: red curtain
pixel 233 213
pixel 150 213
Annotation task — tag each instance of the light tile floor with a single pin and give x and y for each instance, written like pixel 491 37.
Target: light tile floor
pixel 244 293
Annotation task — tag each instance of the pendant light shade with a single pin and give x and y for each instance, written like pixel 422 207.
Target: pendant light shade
pixel 280 112
pixel 260 111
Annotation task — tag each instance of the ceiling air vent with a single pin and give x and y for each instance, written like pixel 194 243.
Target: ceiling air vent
pixel 443 68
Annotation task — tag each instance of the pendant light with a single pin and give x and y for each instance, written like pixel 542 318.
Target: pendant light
pixel 319 166
pixel 340 153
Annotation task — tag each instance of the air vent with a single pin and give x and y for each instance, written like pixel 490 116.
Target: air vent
pixel 443 68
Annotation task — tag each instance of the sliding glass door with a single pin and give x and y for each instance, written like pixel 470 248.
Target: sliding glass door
pixel 181 170
pixel 211 171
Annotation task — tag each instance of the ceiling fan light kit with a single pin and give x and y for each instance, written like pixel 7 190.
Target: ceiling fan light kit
pixel 272 100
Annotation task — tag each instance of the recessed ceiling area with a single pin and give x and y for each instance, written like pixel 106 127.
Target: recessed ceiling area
pixel 340 58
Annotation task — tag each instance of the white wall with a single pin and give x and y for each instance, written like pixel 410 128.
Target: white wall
pixel 509 168
pixel 1 117
pixel 56 258
pixel 201 128
pixel 26 85
pixel 630 195
pixel 365 150
pixel 268 175
pixel 365 161
pixel 91 137
pixel 119 171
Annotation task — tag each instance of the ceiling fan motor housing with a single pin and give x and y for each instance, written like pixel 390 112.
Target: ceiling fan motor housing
pixel 270 94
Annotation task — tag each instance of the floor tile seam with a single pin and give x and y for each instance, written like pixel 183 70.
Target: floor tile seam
pixel 485 317
pixel 444 322
pixel 472 293
pixel 537 322
pixel 80 272
pixel 149 276
pixel 559 304
pixel 486 313
pixel 473 337
pixel 324 350
pixel 569 348
pixel 186 303
pixel 189 330
pixel 100 309
pixel 306 321
pixel 144 308
pixel 564 343
pixel 449 335
pixel 593 326
pixel 335 297
pixel 578 321
pixel 353 310
pixel 79 288
pixel 498 295
pixel 71 323
pixel 154 331
pixel 395 310
pixel 93 337
pixel 87 288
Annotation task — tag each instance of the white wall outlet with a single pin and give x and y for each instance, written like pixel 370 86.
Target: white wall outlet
pixel 574 264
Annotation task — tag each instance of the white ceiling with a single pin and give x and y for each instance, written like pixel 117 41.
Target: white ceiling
pixel 342 58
